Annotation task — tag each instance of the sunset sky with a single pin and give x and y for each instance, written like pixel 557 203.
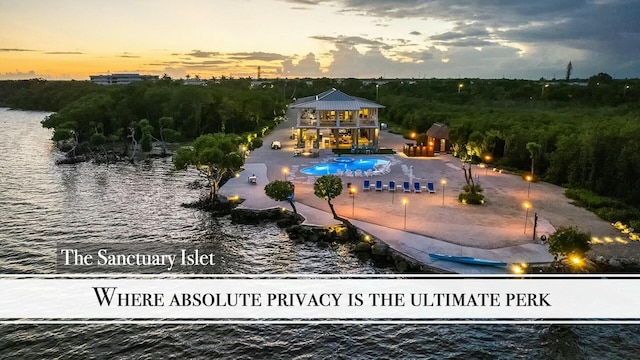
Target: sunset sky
pixel 71 39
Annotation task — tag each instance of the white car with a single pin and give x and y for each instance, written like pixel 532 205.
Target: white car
pixel 276 145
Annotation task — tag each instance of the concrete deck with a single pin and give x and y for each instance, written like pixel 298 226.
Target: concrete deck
pixel 435 223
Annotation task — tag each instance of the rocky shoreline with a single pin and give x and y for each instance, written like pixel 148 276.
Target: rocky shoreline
pixel 365 247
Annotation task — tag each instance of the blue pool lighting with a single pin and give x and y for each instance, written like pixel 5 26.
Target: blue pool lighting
pixel 344 164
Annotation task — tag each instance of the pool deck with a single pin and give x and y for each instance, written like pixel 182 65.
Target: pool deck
pixel 430 222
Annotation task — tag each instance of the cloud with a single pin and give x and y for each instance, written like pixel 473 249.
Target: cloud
pixel 308 66
pixel 18 75
pixel 603 33
pixel 63 53
pixel 350 40
pixel 202 54
pixel 258 56
pixel 15 50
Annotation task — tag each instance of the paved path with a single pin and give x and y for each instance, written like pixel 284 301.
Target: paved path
pixel 374 216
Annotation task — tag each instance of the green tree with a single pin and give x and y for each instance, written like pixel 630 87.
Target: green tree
pixel 145 141
pixel 328 187
pixel 568 241
pixel 280 190
pixel 534 152
pixel 214 155
pixel 569 68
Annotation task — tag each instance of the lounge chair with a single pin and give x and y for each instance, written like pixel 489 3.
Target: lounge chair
pixel 406 187
pixel 378 185
pixel 430 187
pixel 392 185
pixel 416 187
pixel 366 186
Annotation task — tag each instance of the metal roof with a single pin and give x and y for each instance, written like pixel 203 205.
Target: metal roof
pixel 334 100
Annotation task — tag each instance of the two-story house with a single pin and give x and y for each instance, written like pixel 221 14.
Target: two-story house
pixel 334 119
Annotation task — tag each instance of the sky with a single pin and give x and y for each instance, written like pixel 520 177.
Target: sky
pixel 532 39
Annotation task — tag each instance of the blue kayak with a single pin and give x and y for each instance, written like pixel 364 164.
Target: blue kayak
pixel 467 260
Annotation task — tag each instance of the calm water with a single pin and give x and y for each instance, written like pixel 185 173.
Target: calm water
pixel 41 204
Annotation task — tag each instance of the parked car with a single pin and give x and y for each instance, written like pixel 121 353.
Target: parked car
pixel 276 145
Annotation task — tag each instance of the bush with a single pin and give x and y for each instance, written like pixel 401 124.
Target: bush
pixel 471 198
pixel 145 142
pixel 590 200
pixel 255 143
pixel 617 214
pixel 568 241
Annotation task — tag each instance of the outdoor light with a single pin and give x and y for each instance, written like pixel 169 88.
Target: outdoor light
pixel 413 135
pixel 526 205
pixel 460 87
pixel 352 192
pixel 529 178
pixel 405 202
pixel 487 158
pixel 285 171
pixel 575 260
pixel 516 269
pixel 443 182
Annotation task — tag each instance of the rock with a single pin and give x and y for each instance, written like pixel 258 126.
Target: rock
pixel 402 266
pixel 615 263
pixel 362 247
pixel 284 223
pixel 380 249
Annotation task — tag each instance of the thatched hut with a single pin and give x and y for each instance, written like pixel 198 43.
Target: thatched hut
pixel 437 139
pixel 437 142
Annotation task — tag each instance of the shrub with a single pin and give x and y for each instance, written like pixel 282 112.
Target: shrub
pixel 568 241
pixel 255 143
pixel 590 200
pixel 145 142
pixel 471 198
pixel 617 214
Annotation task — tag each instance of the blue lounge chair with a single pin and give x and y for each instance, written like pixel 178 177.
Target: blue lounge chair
pixel 431 188
pixel 392 185
pixel 378 185
pixel 366 186
pixel 416 187
pixel 406 187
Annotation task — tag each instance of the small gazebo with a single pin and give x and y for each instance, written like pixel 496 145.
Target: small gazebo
pixel 437 142
pixel 437 139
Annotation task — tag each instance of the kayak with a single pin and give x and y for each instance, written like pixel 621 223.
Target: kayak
pixel 467 260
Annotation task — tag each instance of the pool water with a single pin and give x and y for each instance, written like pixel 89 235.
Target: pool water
pixel 344 164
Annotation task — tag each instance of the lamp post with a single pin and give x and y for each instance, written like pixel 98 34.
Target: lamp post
pixel 526 205
pixel 352 192
pixel 443 182
pixel 285 171
pixel 405 202
pixel 543 87
pixel 487 158
pixel 528 178
pixel 460 86
pixel 377 86
pixel 624 92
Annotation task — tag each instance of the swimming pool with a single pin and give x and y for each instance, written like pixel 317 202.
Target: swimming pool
pixel 344 164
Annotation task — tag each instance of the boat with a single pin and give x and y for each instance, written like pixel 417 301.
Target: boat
pixel 467 260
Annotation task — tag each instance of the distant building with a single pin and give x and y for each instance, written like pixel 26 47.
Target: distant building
pixel 120 79
pixel 334 119
pixel 195 81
